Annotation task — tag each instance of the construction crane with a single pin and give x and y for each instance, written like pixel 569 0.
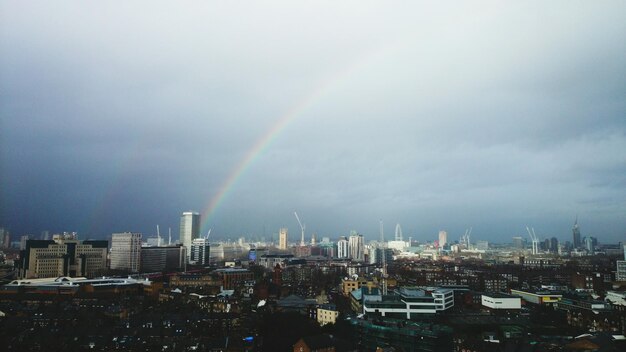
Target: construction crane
pixel 398 233
pixel 302 227
pixel 534 240
pixel 208 234
pixel 384 257
pixel 465 239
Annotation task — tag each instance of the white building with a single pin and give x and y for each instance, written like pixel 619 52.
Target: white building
pixel 443 238
pixel 407 302
pixel 126 251
pixel 189 230
pixel 501 301
pixel 342 248
pixel 356 247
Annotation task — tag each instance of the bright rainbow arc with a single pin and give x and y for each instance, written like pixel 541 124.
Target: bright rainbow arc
pixel 266 140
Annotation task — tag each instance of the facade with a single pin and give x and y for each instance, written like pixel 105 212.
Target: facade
pixel 356 247
pixel 443 238
pixel 342 248
pixel 165 258
pixel 62 256
pixel 409 302
pixel 200 251
pixel 126 251
pixel 501 301
pixel 189 229
pixel 282 238
pixel 620 274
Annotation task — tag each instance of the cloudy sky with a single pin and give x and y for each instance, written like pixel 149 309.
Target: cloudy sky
pixel 118 116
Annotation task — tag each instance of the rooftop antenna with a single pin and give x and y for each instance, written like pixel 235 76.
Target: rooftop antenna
pixel 302 227
pixel 158 237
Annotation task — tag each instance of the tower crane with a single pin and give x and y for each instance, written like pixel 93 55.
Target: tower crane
pixel 534 240
pixel 302 227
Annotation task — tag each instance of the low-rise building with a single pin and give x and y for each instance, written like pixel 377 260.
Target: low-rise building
pixel 501 301
pixel 408 302
pixel 538 297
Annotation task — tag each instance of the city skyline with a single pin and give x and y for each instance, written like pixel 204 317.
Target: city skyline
pixel 434 116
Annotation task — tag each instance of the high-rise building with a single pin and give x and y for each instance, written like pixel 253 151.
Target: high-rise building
pixel 189 229
pixel 590 244
pixel 518 242
pixel 62 256
pixel 443 238
pixel 576 234
pixel 126 251
pixel 5 238
pixel 282 239
pixel 342 248
pixel 356 246
pixel 200 251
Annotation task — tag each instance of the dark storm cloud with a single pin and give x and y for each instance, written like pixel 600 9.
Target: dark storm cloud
pixel 120 116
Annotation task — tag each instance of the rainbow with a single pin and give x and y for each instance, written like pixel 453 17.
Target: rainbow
pixel 271 135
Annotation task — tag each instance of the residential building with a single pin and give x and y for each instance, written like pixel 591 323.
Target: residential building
pixel 189 229
pixel 126 251
pixel 200 251
pixel 356 247
pixel 342 248
pixel 327 314
pixel 282 238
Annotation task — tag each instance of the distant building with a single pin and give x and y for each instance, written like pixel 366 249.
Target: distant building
pixel 200 251
pixel 126 251
pixel 620 275
pixel 482 245
pixel 576 234
pixel 282 239
pixel 342 248
pixel 590 244
pixel 356 247
pixel 62 256
pixel 518 242
pixel 443 238
pixel 189 229
pixel 165 258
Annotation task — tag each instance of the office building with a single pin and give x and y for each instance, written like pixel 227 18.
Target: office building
pixel 164 258
pixel 282 239
pixel 356 247
pixel 62 256
pixel 126 251
pixel 501 301
pixel 189 230
pixel 200 251
pixel 518 242
pixel 443 238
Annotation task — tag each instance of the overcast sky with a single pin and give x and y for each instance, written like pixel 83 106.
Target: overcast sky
pixel 118 116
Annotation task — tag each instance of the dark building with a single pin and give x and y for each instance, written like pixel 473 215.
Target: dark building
pixel 402 335
pixel 166 258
